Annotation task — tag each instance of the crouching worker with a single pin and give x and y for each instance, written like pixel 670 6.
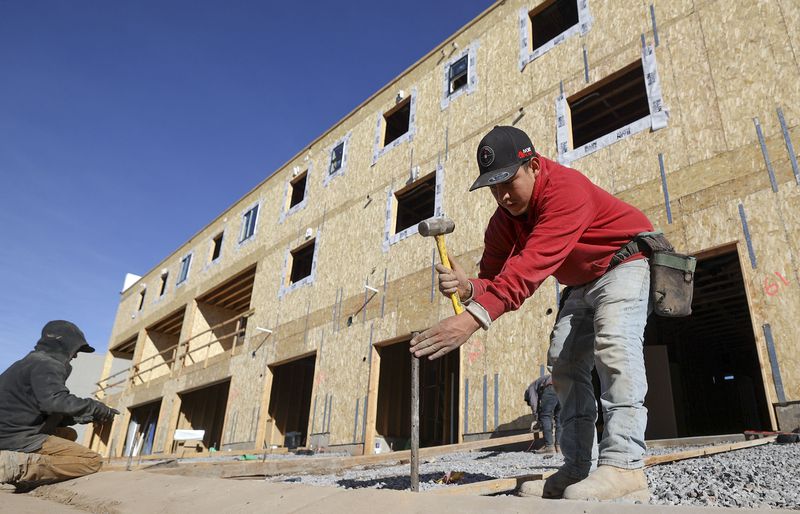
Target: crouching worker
pixel 36 408
pixel 542 399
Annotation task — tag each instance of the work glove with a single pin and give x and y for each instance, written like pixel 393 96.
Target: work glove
pixel 103 412
pixel 453 280
pixel 536 425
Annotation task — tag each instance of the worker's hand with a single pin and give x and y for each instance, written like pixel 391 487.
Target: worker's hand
pixel 103 412
pixel 445 336
pixel 453 280
pixel 536 425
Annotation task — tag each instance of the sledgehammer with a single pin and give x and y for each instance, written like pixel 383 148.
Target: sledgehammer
pixel 438 227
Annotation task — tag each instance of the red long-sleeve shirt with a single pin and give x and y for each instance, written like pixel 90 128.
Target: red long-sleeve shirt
pixel 571 230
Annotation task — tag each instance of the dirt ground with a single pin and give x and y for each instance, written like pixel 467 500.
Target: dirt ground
pixel 143 491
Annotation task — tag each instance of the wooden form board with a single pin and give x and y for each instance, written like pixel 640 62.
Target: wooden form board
pixel 702 452
pixel 498 485
pixel 333 464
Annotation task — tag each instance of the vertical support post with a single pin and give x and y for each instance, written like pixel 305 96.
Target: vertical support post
pixel 466 405
pixel 355 421
pixel 789 146
pixel 747 239
pixel 383 296
pixel 773 361
pixel 664 186
pixel 585 65
pixel 655 27
pixel 485 402
pixel 764 152
pixel 414 421
pixel 496 400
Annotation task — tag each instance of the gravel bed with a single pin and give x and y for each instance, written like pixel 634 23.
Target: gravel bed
pixel 763 476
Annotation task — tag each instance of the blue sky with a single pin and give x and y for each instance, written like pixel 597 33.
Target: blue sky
pixel 126 126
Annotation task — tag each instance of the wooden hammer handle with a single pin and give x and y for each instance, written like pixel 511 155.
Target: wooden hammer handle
pixel 457 307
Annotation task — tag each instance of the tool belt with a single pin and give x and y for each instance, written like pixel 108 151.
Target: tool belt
pixel 671 273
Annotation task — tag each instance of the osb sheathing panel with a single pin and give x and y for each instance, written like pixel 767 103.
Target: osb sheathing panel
pixel 668 10
pixel 790 14
pixel 766 217
pixel 616 25
pixel 751 62
pixel 689 91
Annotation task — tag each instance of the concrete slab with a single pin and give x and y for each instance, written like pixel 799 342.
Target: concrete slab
pixel 27 504
pixel 141 491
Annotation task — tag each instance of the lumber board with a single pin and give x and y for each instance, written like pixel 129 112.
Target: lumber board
pixel 494 486
pixel 702 452
pixel 319 465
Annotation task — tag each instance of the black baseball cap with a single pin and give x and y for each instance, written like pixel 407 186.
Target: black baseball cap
pixel 500 154
pixel 68 333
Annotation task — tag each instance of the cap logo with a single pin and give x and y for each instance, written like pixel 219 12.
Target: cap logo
pixel 527 152
pixel 486 156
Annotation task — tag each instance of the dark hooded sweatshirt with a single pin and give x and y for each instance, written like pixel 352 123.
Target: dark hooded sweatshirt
pixel 34 398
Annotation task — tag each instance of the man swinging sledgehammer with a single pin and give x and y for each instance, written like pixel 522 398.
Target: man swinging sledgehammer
pixel 552 220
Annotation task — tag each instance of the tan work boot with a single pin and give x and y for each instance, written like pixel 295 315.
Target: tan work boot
pixel 553 487
pixel 546 450
pixel 611 483
pixel 12 466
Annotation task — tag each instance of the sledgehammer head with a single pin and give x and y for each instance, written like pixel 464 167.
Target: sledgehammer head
pixel 436 226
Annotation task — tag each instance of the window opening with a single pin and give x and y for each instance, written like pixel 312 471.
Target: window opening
pixel 215 253
pixel 415 204
pixel 611 104
pixel 397 121
pixel 184 273
pixel 141 298
pixel 302 259
pixel 337 155
pixel 457 75
pixel 551 19
pixel 298 189
pixel 164 277
pixel 249 224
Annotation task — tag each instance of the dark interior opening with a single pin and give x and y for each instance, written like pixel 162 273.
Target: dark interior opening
pixel 457 75
pixel 415 203
pixel 290 396
pixel 337 154
pixel 302 259
pixel 551 19
pixel 164 278
pixel 204 409
pixel 215 253
pixel 703 370
pixel 142 431
pixel 397 121
pixel 298 189
pixel 438 398
pixel 608 105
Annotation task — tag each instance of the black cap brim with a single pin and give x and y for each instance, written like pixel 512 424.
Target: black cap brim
pixel 86 348
pixel 491 178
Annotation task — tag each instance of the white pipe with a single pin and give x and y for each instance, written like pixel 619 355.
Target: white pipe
pixel 260 329
pixel 371 288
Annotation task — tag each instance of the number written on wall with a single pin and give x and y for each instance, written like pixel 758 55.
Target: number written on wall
pixel 772 286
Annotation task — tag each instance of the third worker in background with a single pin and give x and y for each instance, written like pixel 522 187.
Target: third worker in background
pixel 551 220
pixel 542 399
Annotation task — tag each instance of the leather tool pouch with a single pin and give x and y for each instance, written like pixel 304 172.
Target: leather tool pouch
pixel 671 275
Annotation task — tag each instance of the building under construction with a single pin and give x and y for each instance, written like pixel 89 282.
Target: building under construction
pixel 285 321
